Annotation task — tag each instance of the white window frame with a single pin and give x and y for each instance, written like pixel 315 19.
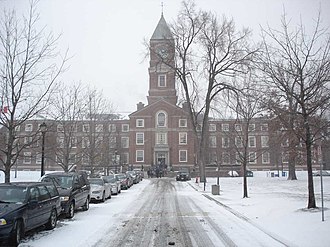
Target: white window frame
pixel 139 123
pixel 224 142
pixel 161 138
pixel 238 142
pixel 139 138
pixel 28 127
pixel 181 152
pixel 73 142
pixel 38 158
pixel 27 158
pixel 112 128
pixel 226 158
pixel 124 127
pixel 254 156
pixel 265 157
pixel 252 127
pixel 183 138
pixel 60 128
pixel 165 119
pixel 139 155
pixel 238 127
pixel 264 127
pixel 212 141
pixel 60 141
pixel 225 127
pixel 265 141
pixel 126 138
pixel 252 142
pixel 212 127
pixel 86 128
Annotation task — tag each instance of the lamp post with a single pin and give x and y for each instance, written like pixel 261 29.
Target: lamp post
pixel 43 129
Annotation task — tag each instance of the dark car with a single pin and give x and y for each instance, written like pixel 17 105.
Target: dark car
pixel 74 190
pixel 182 176
pixel 25 206
pixel 135 176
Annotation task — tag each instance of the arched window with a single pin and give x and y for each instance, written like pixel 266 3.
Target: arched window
pixel 161 119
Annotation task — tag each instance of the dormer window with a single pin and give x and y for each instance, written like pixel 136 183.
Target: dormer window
pixel 162 80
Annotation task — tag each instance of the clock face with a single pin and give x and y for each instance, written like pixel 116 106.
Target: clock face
pixel 162 52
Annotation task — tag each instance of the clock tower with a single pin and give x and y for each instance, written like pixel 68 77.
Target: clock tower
pixel 161 69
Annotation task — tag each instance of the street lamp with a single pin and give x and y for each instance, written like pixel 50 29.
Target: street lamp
pixel 43 129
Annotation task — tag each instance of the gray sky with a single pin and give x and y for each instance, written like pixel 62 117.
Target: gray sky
pixel 105 37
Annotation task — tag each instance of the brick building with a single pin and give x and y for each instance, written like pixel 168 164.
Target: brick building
pixel 156 134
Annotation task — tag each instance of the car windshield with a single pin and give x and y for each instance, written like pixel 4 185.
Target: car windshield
pixel 9 194
pixel 97 181
pixel 110 179
pixel 121 176
pixel 62 181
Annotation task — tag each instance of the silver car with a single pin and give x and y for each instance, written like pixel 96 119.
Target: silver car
pixel 99 189
pixel 115 184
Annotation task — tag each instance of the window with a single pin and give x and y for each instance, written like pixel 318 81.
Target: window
pixel 73 142
pixel 85 142
pixel 73 128
pixel 124 142
pixel 60 128
pixel 112 128
pixel 252 127
pixel 252 158
pixel 183 123
pixel 124 158
pixel 264 127
pixel 285 157
pixel 225 127
pixel 44 195
pixel 265 158
pixel 60 142
pixel 238 142
pixel 225 158
pixel 161 138
pixel 161 119
pixel 225 142
pixel 38 158
pixel 162 80
pixel 213 141
pixel 139 138
pixel 264 141
pixel 183 155
pixel 99 128
pixel 18 128
pixel 139 155
pixel 28 140
pixel 238 158
pixel 238 127
pixel 124 127
pixel 85 159
pixel 85 128
pixel 98 140
pixel 112 141
pixel 27 158
pixel 139 122
pixel 252 141
pixel 183 138
pixel 72 158
pixel 212 127
pixel 28 127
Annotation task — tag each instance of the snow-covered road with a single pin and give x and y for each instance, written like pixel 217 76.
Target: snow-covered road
pixel 156 212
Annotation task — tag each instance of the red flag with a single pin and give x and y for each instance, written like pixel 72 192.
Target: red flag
pixel 4 109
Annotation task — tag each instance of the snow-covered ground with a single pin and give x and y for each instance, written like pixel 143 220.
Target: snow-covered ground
pixel 275 205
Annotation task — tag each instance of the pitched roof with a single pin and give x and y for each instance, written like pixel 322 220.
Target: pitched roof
pixel 162 31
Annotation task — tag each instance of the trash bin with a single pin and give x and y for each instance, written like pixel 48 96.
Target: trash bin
pixel 215 189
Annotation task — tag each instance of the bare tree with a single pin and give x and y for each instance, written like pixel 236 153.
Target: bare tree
pixel 96 141
pixel 27 76
pixel 68 106
pixel 298 65
pixel 208 52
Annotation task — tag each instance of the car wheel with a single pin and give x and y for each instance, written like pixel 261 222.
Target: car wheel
pixel 52 220
pixel 103 197
pixel 18 233
pixel 70 213
pixel 86 205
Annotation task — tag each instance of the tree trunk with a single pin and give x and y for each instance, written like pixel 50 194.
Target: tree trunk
pixel 245 190
pixel 292 165
pixel 7 173
pixel 311 195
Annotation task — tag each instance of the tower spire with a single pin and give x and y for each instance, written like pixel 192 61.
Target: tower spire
pixel 162 4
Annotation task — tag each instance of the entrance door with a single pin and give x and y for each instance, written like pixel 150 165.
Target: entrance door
pixel 161 160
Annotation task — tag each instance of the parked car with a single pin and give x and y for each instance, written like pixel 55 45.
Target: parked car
pixel 318 173
pixel 25 206
pixel 74 190
pixel 124 181
pixel 249 173
pixel 115 184
pixel 135 176
pixel 100 190
pixel 182 176
pixel 140 173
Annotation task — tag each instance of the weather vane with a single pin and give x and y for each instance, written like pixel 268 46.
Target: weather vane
pixel 162 4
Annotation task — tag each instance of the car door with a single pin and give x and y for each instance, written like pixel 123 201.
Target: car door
pixel 45 205
pixel 77 191
pixel 33 210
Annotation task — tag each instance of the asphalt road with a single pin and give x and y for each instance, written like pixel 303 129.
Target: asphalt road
pixel 172 213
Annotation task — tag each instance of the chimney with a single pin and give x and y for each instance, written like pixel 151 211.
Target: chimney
pixel 139 106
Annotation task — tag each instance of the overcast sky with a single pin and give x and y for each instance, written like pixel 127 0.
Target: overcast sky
pixel 105 37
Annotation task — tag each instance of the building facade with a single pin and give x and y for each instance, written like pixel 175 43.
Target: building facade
pixel 158 134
